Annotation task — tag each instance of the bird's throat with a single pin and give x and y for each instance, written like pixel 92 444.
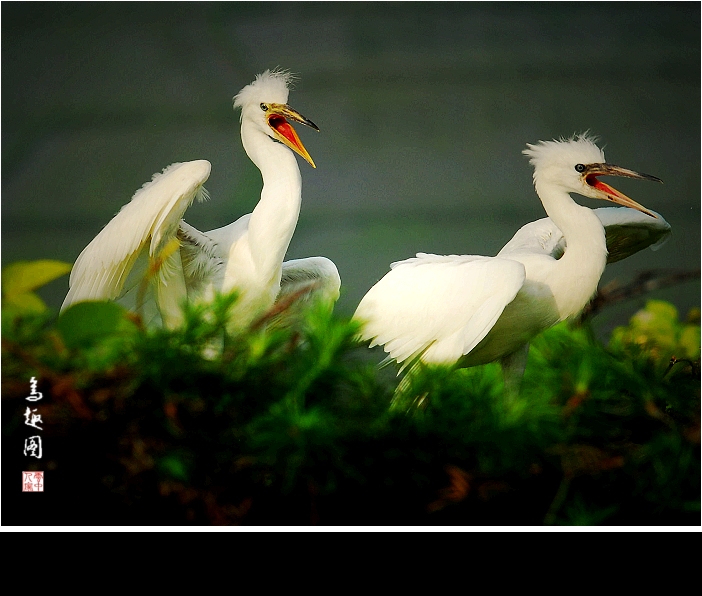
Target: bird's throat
pixel 274 218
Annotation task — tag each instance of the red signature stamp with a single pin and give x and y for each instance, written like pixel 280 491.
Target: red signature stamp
pixel 32 482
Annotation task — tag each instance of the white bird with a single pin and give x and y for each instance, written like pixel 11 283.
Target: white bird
pixel 181 262
pixel 470 310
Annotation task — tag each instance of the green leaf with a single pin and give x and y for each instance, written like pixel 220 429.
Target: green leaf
pixel 656 331
pixel 690 341
pixel 175 467
pixel 25 276
pixel 24 303
pixel 85 323
pixel 661 310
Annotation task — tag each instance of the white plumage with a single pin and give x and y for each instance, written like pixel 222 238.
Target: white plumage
pixel 447 305
pixel 146 223
pixel 627 232
pixel 178 261
pixel 472 310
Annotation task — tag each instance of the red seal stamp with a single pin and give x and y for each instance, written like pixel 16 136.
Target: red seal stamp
pixel 32 482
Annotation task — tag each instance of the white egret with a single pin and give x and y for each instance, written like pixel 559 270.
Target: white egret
pixel 247 255
pixel 470 310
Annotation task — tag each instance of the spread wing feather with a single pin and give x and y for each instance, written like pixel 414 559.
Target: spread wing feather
pixel 314 277
pixel 201 256
pixel 150 220
pixel 627 231
pixel 438 307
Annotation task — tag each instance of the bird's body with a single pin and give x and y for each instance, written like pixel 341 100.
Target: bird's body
pixel 247 255
pixel 470 310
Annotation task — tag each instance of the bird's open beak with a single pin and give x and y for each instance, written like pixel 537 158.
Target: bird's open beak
pixel 284 132
pixel 612 194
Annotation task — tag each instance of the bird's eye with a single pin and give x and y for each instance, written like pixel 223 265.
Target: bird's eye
pixel 580 168
pixel 264 107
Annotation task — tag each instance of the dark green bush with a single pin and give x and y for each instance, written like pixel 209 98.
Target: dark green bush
pixel 292 426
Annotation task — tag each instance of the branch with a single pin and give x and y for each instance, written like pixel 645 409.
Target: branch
pixel 643 283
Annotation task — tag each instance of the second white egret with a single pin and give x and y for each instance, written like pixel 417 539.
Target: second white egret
pixel 470 310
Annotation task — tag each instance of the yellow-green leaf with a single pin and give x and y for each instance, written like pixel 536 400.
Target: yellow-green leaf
pixel 25 276
pixel 25 303
pixel 690 341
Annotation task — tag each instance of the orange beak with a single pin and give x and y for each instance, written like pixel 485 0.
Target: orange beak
pixel 592 171
pixel 277 119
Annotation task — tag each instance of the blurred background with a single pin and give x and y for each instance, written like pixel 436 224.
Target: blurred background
pixel 424 109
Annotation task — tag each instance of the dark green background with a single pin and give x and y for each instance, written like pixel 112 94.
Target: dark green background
pixel 424 111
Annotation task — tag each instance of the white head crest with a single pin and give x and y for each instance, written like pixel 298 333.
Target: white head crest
pixel 271 86
pixel 579 148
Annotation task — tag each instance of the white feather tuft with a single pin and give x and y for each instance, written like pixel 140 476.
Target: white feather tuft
pixel 271 86
pixel 579 148
pixel 202 195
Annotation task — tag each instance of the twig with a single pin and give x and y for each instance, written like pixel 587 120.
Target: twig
pixel 674 361
pixel 282 305
pixel 643 283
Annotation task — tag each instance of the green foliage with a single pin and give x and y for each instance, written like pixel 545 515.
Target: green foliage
pixel 656 331
pixel 25 276
pixel 19 280
pixel 292 425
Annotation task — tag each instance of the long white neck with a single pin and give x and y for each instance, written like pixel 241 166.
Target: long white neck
pixel 575 275
pixel 274 219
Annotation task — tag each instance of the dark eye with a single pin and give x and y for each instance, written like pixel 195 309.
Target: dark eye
pixel 264 107
pixel 580 168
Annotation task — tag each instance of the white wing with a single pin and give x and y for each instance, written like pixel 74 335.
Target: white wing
pixel 202 257
pixel 303 281
pixel 438 307
pixel 538 237
pixel 149 222
pixel 310 278
pixel 627 231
